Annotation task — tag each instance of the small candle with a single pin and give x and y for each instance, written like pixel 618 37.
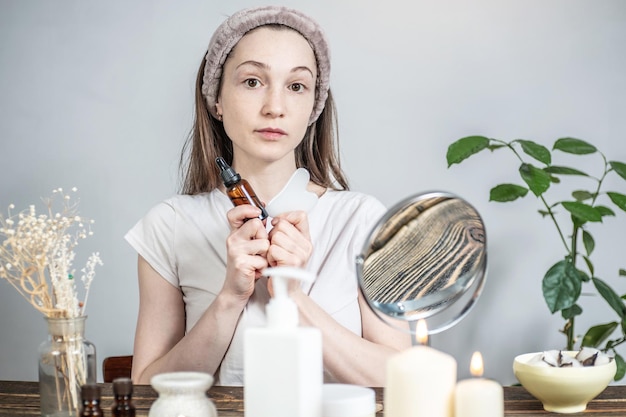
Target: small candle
pixel 420 381
pixel 478 397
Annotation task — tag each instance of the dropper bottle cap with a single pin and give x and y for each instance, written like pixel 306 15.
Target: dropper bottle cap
pixel 281 310
pixel 90 392
pixel 123 386
pixel 228 174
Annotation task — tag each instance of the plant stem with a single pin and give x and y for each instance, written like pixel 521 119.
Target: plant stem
pixel 570 333
pixel 556 224
pixel 543 200
pixel 573 253
pixel 614 343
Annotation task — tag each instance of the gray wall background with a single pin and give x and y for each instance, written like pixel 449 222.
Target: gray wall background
pixel 98 95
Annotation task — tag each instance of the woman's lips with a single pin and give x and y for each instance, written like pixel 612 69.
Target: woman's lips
pixel 271 133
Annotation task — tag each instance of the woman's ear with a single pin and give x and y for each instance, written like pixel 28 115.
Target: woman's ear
pixel 218 109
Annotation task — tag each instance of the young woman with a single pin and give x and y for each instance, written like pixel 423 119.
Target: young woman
pixel 263 103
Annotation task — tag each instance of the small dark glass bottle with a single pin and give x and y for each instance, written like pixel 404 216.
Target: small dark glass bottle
pixel 238 189
pixel 90 397
pixel 123 392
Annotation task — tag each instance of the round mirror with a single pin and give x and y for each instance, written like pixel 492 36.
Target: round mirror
pixel 426 258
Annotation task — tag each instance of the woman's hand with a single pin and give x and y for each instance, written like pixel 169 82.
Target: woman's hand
pixel 246 248
pixel 290 241
pixel 290 245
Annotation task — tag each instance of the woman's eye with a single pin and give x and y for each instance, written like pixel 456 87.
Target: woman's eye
pixel 297 87
pixel 252 82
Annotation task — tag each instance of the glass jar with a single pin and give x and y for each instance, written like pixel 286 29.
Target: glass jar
pixel 66 362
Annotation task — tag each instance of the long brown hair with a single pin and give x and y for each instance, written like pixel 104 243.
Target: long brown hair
pixel 318 152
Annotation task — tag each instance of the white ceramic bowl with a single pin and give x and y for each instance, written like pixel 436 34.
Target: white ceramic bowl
pixel 566 389
pixel 182 394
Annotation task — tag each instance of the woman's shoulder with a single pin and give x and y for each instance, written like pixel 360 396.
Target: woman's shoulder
pixel 184 203
pixel 350 202
pixel 178 201
pixel 354 197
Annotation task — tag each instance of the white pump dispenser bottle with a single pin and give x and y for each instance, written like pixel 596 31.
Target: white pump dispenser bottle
pixel 283 369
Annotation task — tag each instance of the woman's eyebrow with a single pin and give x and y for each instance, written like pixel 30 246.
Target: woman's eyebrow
pixel 303 68
pixel 254 63
pixel 266 67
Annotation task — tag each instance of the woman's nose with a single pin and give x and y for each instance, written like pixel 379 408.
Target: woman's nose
pixel 274 104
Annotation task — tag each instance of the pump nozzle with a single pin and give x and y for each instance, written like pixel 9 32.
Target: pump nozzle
pixel 280 275
pixel 281 310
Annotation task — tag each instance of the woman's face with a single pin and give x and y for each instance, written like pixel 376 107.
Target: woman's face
pixel 267 94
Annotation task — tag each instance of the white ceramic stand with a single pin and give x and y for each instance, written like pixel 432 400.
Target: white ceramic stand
pixel 182 394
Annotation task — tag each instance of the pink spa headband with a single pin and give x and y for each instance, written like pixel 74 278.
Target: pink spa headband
pixel 236 26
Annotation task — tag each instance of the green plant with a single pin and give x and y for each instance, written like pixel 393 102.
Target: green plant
pixel 563 282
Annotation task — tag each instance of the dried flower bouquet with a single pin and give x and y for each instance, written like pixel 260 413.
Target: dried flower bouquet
pixel 36 258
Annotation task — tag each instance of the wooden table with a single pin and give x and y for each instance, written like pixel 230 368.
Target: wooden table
pixel 20 398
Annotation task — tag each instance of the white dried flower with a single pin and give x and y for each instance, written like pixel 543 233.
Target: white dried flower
pixel 37 254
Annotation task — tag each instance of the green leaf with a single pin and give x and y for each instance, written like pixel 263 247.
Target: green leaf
pixel 589 265
pixel 618 199
pixel 588 241
pixel 583 276
pixel 598 334
pixel 619 168
pixel 582 211
pixel 611 297
pixel 543 213
pixel 507 192
pixel 537 179
pixel 464 148
pixel 621 367
pixel 574 146
pixel 571 312
pixel 622 272
pixel 535 150
pixel 605 211
pixel 555 180
pixel 561 286
pixel 577 221
pixel 564 171
pixel 581 195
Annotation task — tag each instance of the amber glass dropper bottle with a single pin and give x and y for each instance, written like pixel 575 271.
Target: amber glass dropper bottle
pixel 123 392
pixel 238 189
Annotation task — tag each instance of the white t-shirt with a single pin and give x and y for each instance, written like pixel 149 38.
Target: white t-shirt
pixel 184 239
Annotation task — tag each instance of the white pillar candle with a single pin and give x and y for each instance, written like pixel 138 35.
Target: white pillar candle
pixel 420 381
pixel 478 397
